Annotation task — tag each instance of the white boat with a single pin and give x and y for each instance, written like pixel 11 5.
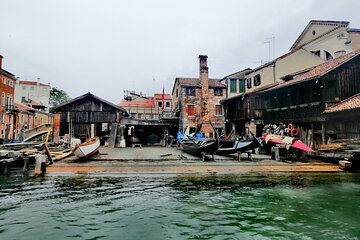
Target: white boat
pixel 88 148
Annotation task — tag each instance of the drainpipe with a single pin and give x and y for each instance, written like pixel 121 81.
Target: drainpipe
pixel 274 66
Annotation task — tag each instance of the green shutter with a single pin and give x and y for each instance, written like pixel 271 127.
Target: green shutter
pixel 233 85
pixel 241 86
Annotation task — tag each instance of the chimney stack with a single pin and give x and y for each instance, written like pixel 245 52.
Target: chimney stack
pixel 1 57
pixel 204 82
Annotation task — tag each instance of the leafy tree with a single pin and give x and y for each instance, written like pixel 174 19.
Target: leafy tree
pixel 58 96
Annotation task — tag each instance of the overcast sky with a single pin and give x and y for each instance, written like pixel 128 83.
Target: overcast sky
pixel 108 46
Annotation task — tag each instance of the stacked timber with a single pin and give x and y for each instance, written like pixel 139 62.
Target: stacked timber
pixel 332 147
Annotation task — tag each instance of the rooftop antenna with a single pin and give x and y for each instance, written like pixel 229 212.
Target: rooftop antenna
pixel 268 42
pixel 273 45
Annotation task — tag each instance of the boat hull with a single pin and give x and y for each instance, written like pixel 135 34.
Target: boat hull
pixel 88 148
pixel 194 148
pixel 237 146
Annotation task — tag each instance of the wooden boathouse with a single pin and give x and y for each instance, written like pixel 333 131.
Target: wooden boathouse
pixel 88 116
pixel 303 99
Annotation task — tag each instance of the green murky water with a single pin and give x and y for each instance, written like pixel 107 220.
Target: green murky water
pixel 305 206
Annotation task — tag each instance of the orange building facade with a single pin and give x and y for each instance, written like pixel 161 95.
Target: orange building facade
pixel 7 118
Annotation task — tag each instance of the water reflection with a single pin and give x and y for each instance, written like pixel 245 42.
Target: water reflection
pixel 288 206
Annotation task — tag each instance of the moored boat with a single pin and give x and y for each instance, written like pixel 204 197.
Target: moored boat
pixel 228 146
pixel 200 147
pixel 88 148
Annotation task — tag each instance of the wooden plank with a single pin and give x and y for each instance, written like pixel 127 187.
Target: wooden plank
pixel 113 134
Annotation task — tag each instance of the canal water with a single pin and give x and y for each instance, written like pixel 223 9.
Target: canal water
pixel 277 206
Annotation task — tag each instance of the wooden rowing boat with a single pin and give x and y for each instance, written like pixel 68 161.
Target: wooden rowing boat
pixel 88 148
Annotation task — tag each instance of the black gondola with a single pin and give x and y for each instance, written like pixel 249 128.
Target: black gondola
pixel 201 147
pixel 229 146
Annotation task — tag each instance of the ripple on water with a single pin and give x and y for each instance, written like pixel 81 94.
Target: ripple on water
pixel 216 207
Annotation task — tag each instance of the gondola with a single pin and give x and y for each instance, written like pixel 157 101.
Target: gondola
pixel 228 146
pixel 200 147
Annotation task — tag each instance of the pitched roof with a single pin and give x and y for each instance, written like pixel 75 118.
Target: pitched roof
pixel 321 69
pixel 149 102
pixel 241 72
pixel 347 104
pixel 336 24
pixel 23 107
pixel 32 83
pixel 89 94
pixel 7 74
pixel 275 60
pixel 195 82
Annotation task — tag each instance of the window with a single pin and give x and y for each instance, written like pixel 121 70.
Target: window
pixel 23 99
pixel 22 119
pixel 23 87
pixel 4 80
pixel 32 88
pixel 159 104
pixel 328 55
pixel 241 85
pixel 167 104
pixel 233 85
pixel 317 53
pixel 249 83
pixel 3 99
pixel 190 91
pixel 257 80
pixel 191 110
pixel 133 115
pixel 139 115
pixel 218 110
pixel 218 92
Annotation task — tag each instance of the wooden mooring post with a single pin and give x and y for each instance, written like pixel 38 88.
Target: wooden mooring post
pixel 40 164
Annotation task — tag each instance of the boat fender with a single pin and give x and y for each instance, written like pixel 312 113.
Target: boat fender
pixel 290 126
pixel 294 132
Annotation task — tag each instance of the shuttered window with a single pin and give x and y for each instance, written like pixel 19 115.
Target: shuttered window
pixel 218 110
pixel 241 85
pixel 190 110
pixel 233 85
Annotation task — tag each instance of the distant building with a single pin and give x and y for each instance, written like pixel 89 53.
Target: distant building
pixel 147 108
pixel 197 100
pixel 33 94
pixel 7 85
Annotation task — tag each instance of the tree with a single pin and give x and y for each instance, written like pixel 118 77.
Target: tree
pixel 58 96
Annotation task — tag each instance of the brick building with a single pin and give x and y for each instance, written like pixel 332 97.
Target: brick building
pixel 7 85
pixel 197 100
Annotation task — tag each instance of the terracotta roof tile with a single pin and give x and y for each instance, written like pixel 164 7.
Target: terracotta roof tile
pixel 195 82
pixel 32 83
pixel 321 69
pixel 159 96
pixel 148 103
pixel 23 107
pixel 347 104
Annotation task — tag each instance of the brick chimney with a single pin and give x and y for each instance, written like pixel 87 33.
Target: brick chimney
pixel 204 82
pixel 1 57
